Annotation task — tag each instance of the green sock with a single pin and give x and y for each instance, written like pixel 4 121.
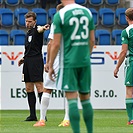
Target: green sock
pixel 129 108
pixel 74 115
pixel 88 115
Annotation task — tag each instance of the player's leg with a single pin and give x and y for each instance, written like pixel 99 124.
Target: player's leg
pixel 74 114
pixel 39 86
pixel 129 91
pixel 45 103
pixel 40 89
pixel 36 75
pixel 84 91
pixel 69 85
pixel 129 104
pixel 87 112
pixel 43 107
pixel 66 117
pixel 50 85
pixel 65 121
pixel 31 101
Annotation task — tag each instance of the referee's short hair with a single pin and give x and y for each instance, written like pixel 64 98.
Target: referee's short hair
pixel 30 14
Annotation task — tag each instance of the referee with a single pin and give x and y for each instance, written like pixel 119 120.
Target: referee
pixel 33 62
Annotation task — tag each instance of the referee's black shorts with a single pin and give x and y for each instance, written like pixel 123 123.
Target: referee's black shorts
pixel 33 69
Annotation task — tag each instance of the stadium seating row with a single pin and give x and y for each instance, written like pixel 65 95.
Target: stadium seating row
pixel 17 2
pixel 19 15
pixel 82 2
pixel 108 17
pixel 104 37
pixel 17 37
pixel 101 2
pixel 105 16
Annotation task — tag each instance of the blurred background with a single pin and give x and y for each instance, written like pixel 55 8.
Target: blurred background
pixel 109 18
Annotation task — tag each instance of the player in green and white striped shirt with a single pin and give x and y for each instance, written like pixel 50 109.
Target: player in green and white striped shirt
pixel 74 36
pixel 127 52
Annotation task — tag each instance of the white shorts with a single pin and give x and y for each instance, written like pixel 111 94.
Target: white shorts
pixel 48 83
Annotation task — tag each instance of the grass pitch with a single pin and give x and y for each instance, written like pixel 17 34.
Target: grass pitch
pixel 105 121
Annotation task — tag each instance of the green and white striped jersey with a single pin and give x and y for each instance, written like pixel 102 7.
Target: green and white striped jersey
pixel 127 38
pixel 74 22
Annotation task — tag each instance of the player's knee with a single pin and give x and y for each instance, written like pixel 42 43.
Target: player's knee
pixel 84 96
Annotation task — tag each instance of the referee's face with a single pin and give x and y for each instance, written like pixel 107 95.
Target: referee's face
pixel 30 22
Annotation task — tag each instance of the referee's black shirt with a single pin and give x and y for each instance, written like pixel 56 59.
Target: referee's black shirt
pixel 34 43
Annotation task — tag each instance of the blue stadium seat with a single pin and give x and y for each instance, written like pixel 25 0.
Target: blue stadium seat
pixel 4 38
pixel 120 16
pixel 29 2
pixel 7 17
pixel 1 1
pixel 102 37
pixel 95 15
pixel 17 37
pixel 81 2
pixel 96 2
pixel 116 36
pixel 19 15
pixel 107 16
pixel 46 33
pixel 51 13
pixel 112 2
pixel 41 16
pixel 12 2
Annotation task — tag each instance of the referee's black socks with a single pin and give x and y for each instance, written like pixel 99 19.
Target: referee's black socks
pixel 32 103
pixel 40 96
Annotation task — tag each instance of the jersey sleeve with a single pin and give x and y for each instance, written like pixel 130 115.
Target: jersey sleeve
pixel 91 21
pixel 57 23
pixel 91 25
pixel 124 37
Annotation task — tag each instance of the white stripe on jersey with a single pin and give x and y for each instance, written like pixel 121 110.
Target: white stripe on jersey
pixel 128 28
pixel 59 82
pixel 70 7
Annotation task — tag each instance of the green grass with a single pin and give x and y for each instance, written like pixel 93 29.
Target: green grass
pixel 105 121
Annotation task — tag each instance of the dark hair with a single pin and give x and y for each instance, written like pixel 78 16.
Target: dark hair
pixel 129 13
pixel 30 14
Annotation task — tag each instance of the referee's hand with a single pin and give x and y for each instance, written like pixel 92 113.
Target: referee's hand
pixel 46 27
pixel 21 61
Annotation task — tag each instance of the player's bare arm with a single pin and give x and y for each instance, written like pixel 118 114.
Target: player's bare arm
pixel 121 59
pixel 53 52
pixel 92 40
pixel 46 67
